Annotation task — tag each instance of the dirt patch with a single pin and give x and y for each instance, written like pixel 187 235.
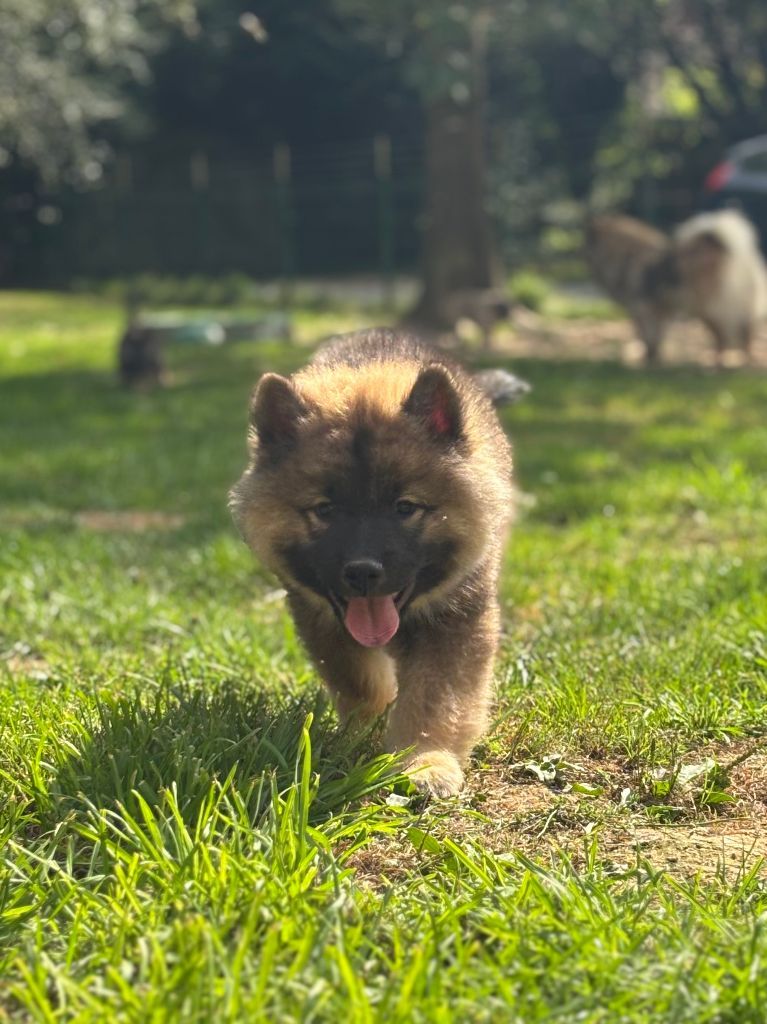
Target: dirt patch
pixel 127 521
pixel 538 337
pixel 34 517
pixel 505 812
pixel 97 520
pixel 713 848
pixel 31 666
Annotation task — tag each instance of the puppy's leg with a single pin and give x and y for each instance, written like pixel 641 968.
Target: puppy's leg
pixel 445 684
pixel 361 681
pixel 363 687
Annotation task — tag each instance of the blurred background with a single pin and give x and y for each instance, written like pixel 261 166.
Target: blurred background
pixel 414 148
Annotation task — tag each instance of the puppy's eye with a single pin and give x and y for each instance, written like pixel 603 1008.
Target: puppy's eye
pixel 322 511
pixel 406 509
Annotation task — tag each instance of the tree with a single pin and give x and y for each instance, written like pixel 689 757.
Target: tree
pixel 447 51
pixel 309 84
pixel 719 48
pixel 64 69
pixel 443 49
pixel 458 247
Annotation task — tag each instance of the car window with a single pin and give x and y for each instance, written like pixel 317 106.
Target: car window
pixel 755 164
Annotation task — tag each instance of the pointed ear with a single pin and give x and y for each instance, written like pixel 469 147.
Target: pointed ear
pixel 275 410
pixel 435 401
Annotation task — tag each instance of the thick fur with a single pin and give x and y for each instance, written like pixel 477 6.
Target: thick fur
pixel 710 269
pixel 374 421
pixel 722 250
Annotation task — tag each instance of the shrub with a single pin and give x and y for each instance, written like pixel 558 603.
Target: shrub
pixel 530 289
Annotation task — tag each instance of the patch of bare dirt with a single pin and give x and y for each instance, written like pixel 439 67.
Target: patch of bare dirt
pixel 31 666
pixel 715 848
pixel 505 812
pixel 127 521
pixel 539 337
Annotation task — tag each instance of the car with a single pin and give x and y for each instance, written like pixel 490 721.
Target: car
pixel 740 180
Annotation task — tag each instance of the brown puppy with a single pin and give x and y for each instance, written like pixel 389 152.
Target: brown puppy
pixel 379 492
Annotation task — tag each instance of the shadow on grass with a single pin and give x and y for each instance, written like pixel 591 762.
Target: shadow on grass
pixel 188 739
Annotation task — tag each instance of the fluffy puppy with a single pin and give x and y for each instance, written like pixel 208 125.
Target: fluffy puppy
pixel 379 492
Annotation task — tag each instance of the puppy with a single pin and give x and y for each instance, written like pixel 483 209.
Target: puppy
pixel 379 492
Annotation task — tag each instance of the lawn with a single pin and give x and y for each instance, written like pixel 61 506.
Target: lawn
pixel 186 834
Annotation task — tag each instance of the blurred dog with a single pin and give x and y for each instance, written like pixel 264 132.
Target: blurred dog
pixel 379 492
pixel 140 364
pixel 710 269
pixel 481 308
pixel 140 361
pixel 485 307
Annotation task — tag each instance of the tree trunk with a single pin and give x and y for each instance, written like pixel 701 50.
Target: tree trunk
pixel 457 251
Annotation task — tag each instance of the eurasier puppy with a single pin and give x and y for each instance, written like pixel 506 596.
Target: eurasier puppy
pixel 379 492
pixel 710 269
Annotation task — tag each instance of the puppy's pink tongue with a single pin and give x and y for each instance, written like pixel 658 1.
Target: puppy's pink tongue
pixel 372 621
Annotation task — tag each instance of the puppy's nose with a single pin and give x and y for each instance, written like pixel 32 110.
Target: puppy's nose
pixel 362 575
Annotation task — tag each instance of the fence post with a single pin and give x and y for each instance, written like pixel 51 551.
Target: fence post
pixel 199 171
pixel 199 179
pixel 123 259
pixel 383 171
pixel 283 174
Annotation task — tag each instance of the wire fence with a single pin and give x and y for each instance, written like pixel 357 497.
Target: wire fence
pixel 285 214
pixel 288 212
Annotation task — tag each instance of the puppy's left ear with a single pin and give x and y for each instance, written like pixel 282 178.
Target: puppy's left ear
pixel 436 403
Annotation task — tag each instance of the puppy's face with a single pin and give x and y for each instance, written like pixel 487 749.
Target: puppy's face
pixel 370 512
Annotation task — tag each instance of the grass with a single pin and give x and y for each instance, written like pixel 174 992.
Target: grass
pixel 185 833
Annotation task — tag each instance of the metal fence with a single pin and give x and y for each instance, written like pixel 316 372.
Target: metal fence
pixel 289 212
pixel 285 214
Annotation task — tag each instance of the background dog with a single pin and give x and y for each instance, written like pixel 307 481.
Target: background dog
pixel 711 269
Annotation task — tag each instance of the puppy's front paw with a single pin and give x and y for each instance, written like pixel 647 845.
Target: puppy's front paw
pixel 436 772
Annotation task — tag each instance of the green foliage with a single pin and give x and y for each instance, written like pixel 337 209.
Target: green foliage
pixel 163 290
pixel 64 66
pixel 435 38
pixel 531 289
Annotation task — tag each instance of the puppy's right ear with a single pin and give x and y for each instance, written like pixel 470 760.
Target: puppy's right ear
pixel 275 410
pixel 435 402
